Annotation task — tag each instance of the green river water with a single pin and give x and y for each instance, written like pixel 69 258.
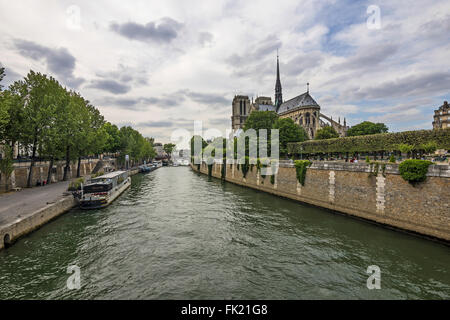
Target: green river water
pixel 176 234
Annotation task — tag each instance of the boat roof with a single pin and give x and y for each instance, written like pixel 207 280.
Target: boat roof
pixel 110 175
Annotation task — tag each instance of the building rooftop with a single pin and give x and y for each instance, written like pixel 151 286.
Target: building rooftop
pixel 303 100
pixel 111 175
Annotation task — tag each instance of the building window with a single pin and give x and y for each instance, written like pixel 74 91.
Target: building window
pixel 240 105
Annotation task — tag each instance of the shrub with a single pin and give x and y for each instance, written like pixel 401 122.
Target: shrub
pixel 414 171
pixel 301 166
pixel 76 185
pixel 374 168
pixel 98 174
pixel 367 159
pixel 392 159
pixel 245 166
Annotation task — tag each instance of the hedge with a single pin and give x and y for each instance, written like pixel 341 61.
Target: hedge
pixel 374 142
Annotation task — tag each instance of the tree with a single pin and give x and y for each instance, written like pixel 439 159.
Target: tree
pixel 2 75
pixel 168 148
pixel 6 165
pixel 4 106
pixel 148 152
pixel 112 144
pixel 367 127
pixel 38 96
pixel 405 148
pixel 261 120
pixel 428 147
pixel 327 132
pixel 289 131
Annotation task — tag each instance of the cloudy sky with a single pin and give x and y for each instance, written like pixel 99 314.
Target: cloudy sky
pixel 160 65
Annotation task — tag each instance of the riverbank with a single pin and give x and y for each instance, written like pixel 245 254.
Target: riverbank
pixel 353 189
pixel 177 234
pixel 25 211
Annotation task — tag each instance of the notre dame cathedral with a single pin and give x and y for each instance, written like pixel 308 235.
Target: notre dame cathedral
pixel 303 109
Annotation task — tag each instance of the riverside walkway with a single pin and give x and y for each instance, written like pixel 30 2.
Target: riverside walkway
pixel 15 205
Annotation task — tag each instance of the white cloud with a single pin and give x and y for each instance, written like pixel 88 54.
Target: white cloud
pixel 217 49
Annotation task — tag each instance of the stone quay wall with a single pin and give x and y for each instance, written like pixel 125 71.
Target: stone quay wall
pixel 12 231
pixel 350 188
pixel 34 220
pixel 40 171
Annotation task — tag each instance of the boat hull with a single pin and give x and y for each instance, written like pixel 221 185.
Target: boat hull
pixel 100 204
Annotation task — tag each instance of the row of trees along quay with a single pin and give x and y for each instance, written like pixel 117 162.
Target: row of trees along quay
pixel 54 123
pixel 370 139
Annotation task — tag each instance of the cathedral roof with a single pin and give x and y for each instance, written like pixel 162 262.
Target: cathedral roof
pixel 303 100
pixel 266 107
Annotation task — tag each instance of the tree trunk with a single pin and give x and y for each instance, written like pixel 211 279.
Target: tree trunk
pixel 30 174
pixel 49 174
pixel 79 166
pixel 66 168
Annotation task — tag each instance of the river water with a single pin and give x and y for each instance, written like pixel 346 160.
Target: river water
pixel 176 234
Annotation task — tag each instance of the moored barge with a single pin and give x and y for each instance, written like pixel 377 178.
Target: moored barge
pixel 103 190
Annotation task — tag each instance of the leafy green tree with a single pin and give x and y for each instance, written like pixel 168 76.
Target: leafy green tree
pixel 38 98
pixel 148 152
pixel 428 147
pixel 405 148
pixel 5 101
pixel 2 75
pixel 261 120
pixel 366 128
pixel 327 132
pixel 93 137
pixel 11 107
pixel 132 143
pixel 289 131
pixel 112 144
pixel 168 148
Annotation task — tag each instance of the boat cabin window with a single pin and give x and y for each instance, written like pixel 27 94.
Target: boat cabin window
pixel 97 188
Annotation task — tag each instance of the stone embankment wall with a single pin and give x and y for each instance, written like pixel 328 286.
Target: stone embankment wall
pixel 352 189
pixel 24 225
pixel 40 171
pixel 31 221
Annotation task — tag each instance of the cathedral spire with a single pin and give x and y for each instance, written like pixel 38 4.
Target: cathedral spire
pixel 278 90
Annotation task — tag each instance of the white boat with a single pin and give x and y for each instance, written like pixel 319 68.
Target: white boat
pixel 103 190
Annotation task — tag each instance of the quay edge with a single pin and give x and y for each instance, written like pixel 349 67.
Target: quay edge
pixel 12 231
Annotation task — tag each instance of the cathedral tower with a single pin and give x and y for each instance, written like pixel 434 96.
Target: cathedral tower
pixel 240 111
